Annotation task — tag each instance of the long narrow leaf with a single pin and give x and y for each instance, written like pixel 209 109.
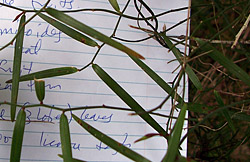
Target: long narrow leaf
pixel 128 99
pixel 17 137
pixel 224 61
pixel 69 31
pixel 242 116
pixel 47 73
pixel 157 79
pixel 194 79
pixel 90 31
pixel 115 5
pixel 16 68
pixel 175 137
pixel 110 142
pixel 65 139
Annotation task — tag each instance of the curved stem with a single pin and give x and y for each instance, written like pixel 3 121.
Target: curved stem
pixel 112 35
pixel 109 11
pixel 12 7
pixel 86 108
pixel 32 17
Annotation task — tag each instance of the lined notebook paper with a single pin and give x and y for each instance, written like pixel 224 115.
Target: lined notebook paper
pixel 46 47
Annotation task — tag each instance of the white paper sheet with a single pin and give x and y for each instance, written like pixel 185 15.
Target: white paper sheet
pixel 46 47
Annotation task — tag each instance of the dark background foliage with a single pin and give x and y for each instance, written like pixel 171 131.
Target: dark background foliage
pixel 219 22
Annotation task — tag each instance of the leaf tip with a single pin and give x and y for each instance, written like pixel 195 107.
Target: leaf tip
pixel 9 81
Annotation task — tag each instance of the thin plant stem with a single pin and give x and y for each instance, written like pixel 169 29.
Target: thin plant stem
pixel 240 32
pixel 32 17
pixel 86 108
pixel 112 35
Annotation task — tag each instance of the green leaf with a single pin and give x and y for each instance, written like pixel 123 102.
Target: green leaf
pixel 65 139
pixel 218 98
pixel 115 5
pixel 224 61
pixel 40 89
pixel 69 31
pixel 47 73
pixel 110 142
pixel 224 112
pixel 194 79
pixel 16 68
pixel 17 137
pixel 90 31
pixel 157 79
pixel 174 141
pixel 241 116
pixel 128 99
pixel 73 160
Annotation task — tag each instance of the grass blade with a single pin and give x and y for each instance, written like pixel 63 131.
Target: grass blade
pixel 224 61
pixel 242 116
pixel 110 142
pixel 194 79
pixel 175 137
pixel 115 5
pixel 128 99
pixel 17 137
pixel 47 73
pixel 65 139
pixel 16 68
pixel 157 79
pixel 90 31
pixel 69 31
pixel 40 89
